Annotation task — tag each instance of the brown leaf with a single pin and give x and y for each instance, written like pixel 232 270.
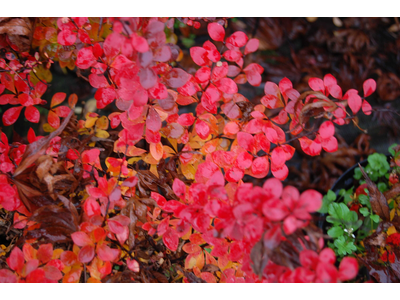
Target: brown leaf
pixel 19 31
pixel 38 148
pixel 259 258
pixel 129 212
pixel 71 207
pixel 210 268
pixel 26 193
pixel 160 277
pixel 56 224
pixel 378 201
pixel 393 192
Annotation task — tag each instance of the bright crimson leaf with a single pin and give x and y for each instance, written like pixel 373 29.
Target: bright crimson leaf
pixel 216 32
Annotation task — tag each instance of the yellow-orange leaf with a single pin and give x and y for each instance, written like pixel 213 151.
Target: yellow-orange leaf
pixel 156 150
pixel 102 123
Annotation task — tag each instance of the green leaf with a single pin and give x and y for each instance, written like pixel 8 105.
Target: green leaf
pixel 344 246
pixel 364 200
pixel 357 225
pixel 382 187
pixel 350 216
pixel 326 200
pixel 331 195
pixel 391 149
pixel 375 218
pixel 335 231
pixel 338 211
pixel 364 211
pixel 357 174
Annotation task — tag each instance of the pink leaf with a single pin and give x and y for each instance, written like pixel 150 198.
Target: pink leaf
pixel 369 86
pixel 216 32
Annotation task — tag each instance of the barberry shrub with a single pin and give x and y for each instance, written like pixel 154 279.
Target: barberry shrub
pixel 160 189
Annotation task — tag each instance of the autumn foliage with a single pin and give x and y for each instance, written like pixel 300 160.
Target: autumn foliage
pixel 160 189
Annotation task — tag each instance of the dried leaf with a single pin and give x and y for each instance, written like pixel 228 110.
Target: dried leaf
pixel 378 201
pixel 38 148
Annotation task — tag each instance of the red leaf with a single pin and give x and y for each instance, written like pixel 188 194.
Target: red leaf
pixel 153 121
pixel 45 253
pixel 329 80
pixel 227 86
pixel 275 210
pixel 112 44
pixel 32 114
pixel 177 78
pixel 310 200
pixel 148 78
pixel 260 166
pixel 199 56
pixel 52 273
pixel 133 265
pixel 326 130
pixel 186 119
pixel 37 276
pixel 16 260
pixel 159 91
pixel 84 37
pixel 273 187
pixel 253 78
pixel 163 227
pixel 104 96
pixel 246 141
pixel 353 99
pixel 326 273
pixel 171 239
pixel 98 81
pixel 203 74
pixel 130 181
pixel 90 156
pixel 234 174
pixel 57 99
pixel 6 276
pixel 53 119
pixel 348 268
pixel 179 188
pixel 278 157
pixel 139 43
pixel 86 254
pixel 316 84
pixel 202 129
pixel 216 32
pixel 330 144
pixel 327 255
pixel 309 259
pixel 11 115
pixel 81 239
pixel 85 58
pixel 251 46
pixel 335 91
pixel 92 207
pixel 238 39
pixel 162 54
pixel 62 111
pixel 232 55
pixel 106 253
pixel 280 172
pixel 244 160
pixel 205 171
pixel 310 147
pixel 115 227
pixel 369 86
pixel 25 100
pixel 366 108
pixel 66 37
